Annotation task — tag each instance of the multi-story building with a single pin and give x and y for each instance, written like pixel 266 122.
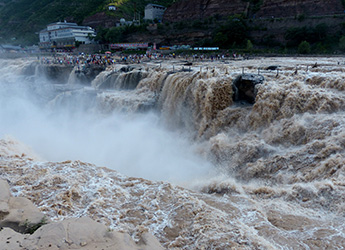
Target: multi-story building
pixel 65 35
pixel 154 11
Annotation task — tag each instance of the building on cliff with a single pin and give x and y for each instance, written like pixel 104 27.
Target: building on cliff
pixel 64 35
pixel 154 11
pixel 111 7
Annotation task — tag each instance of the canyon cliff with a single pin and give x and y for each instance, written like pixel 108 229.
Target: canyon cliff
pixel 290 8
pixel 100 19
pixel 200 9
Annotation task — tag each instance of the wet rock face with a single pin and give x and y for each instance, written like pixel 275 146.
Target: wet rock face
pixel 127 78
pixel 127 68
pixel 17 213
pixel 56 73
pixel 61 73
pixel 244 87
pixel 89 72
pixel 30 69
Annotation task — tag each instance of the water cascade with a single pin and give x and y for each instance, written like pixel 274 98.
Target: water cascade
pixel 268 174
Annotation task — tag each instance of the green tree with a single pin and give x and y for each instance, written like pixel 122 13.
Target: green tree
pixel 319 33
pixel 234 31
pixel 220 39
pixel 249 46
pixel 342 43
pixel 304 48
pixel 256 5
pixel 296 35
pixel 114 35
pixel 101 33
pixel 301 17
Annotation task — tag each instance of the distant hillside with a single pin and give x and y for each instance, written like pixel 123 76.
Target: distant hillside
pixel 280 25
pixel 21 19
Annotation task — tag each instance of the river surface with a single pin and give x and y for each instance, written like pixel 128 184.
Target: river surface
pixel 164 149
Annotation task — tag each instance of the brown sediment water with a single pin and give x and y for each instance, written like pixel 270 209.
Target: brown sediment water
pixel 263 176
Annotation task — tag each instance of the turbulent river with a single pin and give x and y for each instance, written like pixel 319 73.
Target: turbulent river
pixel 162 147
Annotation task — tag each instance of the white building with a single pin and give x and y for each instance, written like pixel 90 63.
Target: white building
pixel 111 7
pixel 154 11
pixel 64 35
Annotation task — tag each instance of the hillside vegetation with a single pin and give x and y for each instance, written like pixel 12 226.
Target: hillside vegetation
pixel 21 20
pixel 245 26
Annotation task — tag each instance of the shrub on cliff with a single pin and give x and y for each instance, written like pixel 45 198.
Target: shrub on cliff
pixel 342 43
pixel 114 35
pixel 249 46
pixel 304 48
pixel 296 35
pixel 234 31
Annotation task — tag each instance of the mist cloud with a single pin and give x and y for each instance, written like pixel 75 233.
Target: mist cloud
pixel 133 144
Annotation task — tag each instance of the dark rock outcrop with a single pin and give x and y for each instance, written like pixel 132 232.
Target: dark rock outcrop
pixel 30 69
pixel 89 72
pixel 55 72
pixel 244 87
pixel 272 67
pixel 61 73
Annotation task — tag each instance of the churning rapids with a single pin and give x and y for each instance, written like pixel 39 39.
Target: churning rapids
pixel 207 172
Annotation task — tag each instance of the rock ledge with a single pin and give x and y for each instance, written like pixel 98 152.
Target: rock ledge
pixel 19 217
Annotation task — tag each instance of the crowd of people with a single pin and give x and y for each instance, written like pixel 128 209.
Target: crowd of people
pixel 108 59
pixel 73 60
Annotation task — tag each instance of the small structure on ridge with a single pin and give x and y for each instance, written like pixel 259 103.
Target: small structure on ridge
pixel 154 11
